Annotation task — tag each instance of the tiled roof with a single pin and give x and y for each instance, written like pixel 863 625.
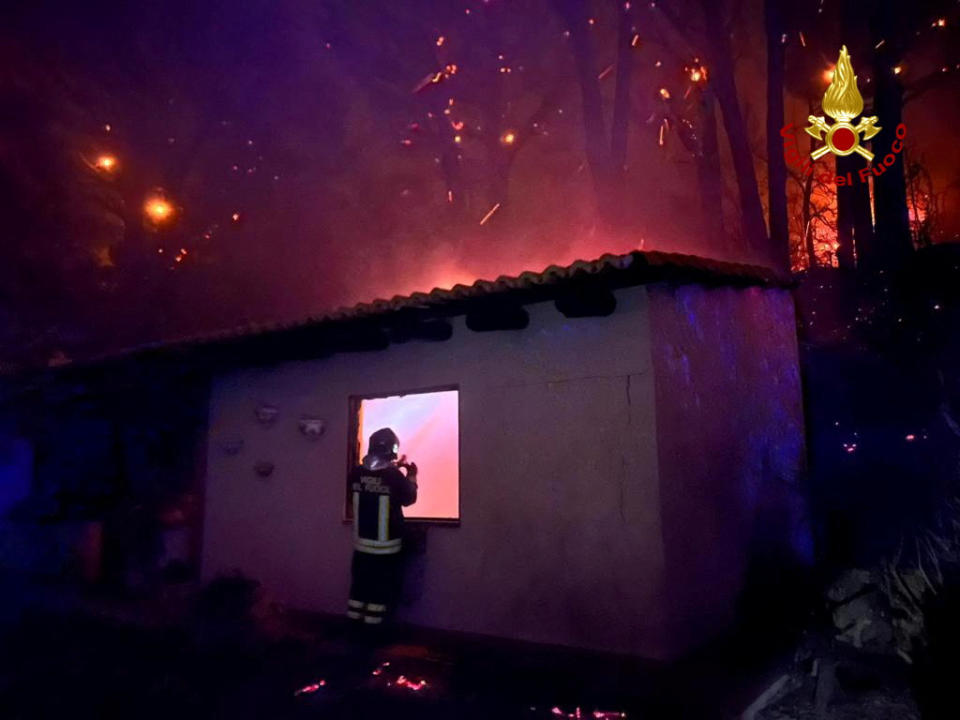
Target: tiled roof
pixel 612 271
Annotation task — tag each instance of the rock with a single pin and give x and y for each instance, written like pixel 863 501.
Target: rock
pixel 774 692
pixel 849 584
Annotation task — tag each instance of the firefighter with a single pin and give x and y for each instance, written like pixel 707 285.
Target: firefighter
pixel 379 487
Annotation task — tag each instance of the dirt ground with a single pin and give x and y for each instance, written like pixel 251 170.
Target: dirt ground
pixel 64 655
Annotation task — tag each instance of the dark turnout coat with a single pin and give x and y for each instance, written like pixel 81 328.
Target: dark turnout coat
pixel 379 491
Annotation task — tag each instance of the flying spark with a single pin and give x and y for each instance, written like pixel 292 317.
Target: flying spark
pixel 437 77
pixel 311 688
pixel 106 163
pixel 490 213
pixel 158 209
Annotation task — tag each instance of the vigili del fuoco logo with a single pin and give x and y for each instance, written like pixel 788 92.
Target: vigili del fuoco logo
pixel 843 103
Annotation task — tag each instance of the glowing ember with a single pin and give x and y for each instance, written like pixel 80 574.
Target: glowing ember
pixel 664 93
pixel 828 75
pixel 402 681
pixel 158 209
pixel 440 41
pixel 312 688
pixel 490 213
pixel 606 72
pixel 635 42
pixel 803 40
pixel 235 217
pixel 106 163
pixel 508 138
pixel 911 437
pixel 435 78
pixel 897 69
pixel 942 22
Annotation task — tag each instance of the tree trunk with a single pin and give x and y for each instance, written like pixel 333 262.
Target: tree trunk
pixel 807 214
pixel 807 227
pixel 845 252
pixel 575 14
pixel 776 163
pixel 709 177
pixel 751 209
pixel 853 200
pixel 862 214
pixel 622 111
pixel 620 129
pixel 893 244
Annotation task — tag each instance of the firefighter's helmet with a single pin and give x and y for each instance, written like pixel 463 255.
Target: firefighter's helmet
pixel 384 442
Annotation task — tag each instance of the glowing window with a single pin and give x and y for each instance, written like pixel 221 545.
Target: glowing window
pixel 428 426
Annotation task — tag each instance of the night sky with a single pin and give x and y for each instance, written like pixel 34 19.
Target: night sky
pixel 316 154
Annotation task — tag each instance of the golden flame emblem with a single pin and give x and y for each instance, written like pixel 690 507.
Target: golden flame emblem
pixel 842 102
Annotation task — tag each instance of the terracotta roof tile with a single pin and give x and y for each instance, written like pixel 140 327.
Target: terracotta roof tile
pixel 635 268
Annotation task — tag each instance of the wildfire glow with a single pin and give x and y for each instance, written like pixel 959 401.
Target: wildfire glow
pixel 158 209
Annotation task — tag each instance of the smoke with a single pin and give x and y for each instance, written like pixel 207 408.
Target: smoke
pixel 311 166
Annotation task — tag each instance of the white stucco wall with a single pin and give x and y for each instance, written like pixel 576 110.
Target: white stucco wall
pixel 560 537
